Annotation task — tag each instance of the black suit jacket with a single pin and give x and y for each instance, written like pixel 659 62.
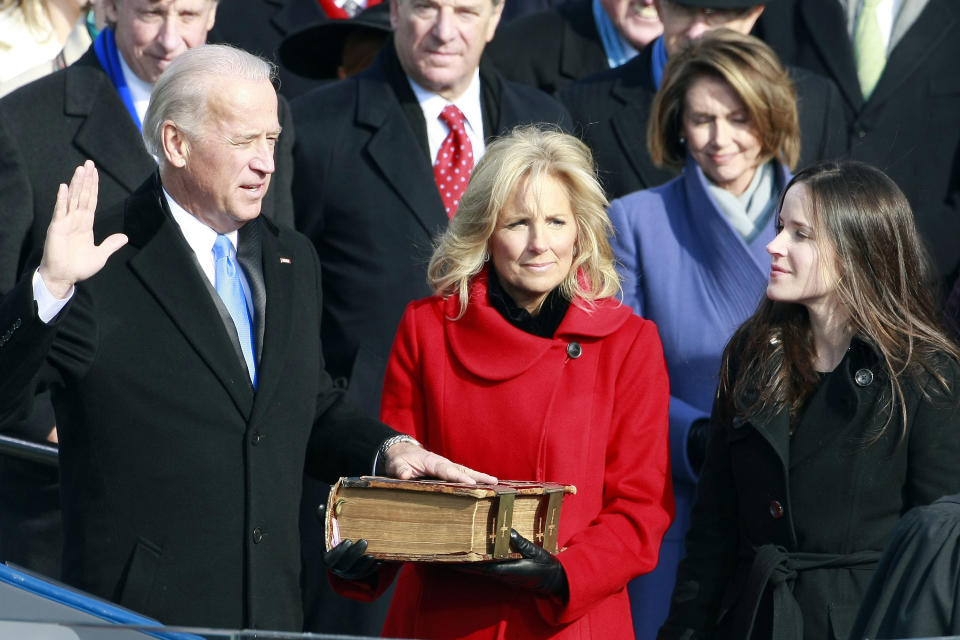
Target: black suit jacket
pixel 550 49
pixel 49 127
pixel 610 111
pixel 910 126
pixel 364 193
pixel 181 485
pixel 259 26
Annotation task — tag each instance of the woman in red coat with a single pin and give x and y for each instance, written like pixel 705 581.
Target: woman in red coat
pixel 524 365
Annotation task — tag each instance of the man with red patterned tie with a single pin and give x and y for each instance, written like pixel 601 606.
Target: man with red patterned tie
pixel 381 160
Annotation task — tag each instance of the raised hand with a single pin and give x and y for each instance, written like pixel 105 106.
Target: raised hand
pixel 69 253
pixel 406 460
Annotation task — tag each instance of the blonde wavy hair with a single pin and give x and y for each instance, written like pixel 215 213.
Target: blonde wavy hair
pixel 523 158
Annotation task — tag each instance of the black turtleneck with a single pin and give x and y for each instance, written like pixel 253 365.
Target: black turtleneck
pixel 544 324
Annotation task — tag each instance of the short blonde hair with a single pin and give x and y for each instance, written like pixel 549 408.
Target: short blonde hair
pixel 755 74
pixel 524 157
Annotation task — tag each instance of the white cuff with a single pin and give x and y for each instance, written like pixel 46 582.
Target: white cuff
pixel 47 306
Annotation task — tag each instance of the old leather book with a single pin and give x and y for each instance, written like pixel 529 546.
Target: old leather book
pixel 433 521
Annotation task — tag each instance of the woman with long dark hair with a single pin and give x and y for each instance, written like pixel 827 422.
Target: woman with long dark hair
pixel 836 413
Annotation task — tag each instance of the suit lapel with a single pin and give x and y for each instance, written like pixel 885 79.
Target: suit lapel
pixel 776 432
pixel 108 134
pixel 912 51
pixel 278 314
pixel 168 269
pixel 406 171
pixel 634 88
pixel 580 52
pixel 826 25
pixel 845 404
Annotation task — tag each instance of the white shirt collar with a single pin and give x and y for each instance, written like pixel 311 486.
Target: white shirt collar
pixel 139 90
pixel 199 236
pixel 469 104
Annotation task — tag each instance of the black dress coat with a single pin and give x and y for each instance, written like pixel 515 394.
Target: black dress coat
pixel 794 525
pixel 910 127
pixel 550 49
pixel 610 112
pixel 181 484
pixel 52 125
pixel 259 26
pixel 364 192
pixel 915 592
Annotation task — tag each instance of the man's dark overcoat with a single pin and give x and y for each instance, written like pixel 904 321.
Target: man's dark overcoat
pixel 181 485
pixel 550 49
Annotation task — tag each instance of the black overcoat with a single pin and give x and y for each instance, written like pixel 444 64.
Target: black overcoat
pixel 550 49
pixel 793 525
pixel 181 484
pixel 915 592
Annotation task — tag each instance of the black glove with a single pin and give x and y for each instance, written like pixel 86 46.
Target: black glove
pixel 537 571
pixel 348 559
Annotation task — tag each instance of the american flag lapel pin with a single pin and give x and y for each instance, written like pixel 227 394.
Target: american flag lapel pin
pixel 284 260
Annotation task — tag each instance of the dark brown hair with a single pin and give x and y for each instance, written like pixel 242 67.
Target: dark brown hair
pixel 867 221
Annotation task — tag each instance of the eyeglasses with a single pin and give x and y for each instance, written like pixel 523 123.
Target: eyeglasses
pixel 713 17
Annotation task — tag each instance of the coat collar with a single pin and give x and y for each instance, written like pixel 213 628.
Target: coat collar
pixel 581 53
pixel 738 270
pixel 633 87
pixel 166 267
pixel 845 400
pixel 844 405
pixel 491 348
pixel 108 135
pixel 826 25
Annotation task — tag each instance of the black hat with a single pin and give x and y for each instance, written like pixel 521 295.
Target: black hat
pixel 314 51
pixel 722 4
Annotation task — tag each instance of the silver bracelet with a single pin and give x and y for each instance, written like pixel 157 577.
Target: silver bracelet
pixel 392 440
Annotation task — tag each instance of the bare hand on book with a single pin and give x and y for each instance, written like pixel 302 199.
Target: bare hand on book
pixel 406 460
pixel 538 571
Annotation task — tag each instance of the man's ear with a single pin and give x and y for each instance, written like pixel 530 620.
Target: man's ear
pixel 176 144
pixel 494 20
pixel 111 11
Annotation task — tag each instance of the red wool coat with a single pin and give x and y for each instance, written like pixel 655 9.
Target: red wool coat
pixel 522 407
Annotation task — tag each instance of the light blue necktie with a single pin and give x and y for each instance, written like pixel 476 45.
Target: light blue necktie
pixel 231 292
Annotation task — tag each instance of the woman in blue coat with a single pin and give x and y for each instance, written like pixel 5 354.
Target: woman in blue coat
pixel 692 251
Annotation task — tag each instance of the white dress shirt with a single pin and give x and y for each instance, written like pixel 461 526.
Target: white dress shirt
pixel 469 104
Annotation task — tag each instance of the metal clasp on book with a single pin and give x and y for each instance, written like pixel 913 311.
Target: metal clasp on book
pixel 501 540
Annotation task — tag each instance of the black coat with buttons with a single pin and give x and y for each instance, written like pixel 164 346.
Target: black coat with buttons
pixel 180 482
pixel 791 526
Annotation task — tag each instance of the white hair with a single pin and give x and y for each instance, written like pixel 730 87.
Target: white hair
pixel 180 95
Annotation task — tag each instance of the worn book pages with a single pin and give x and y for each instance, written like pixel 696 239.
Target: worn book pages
pixel 429 520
